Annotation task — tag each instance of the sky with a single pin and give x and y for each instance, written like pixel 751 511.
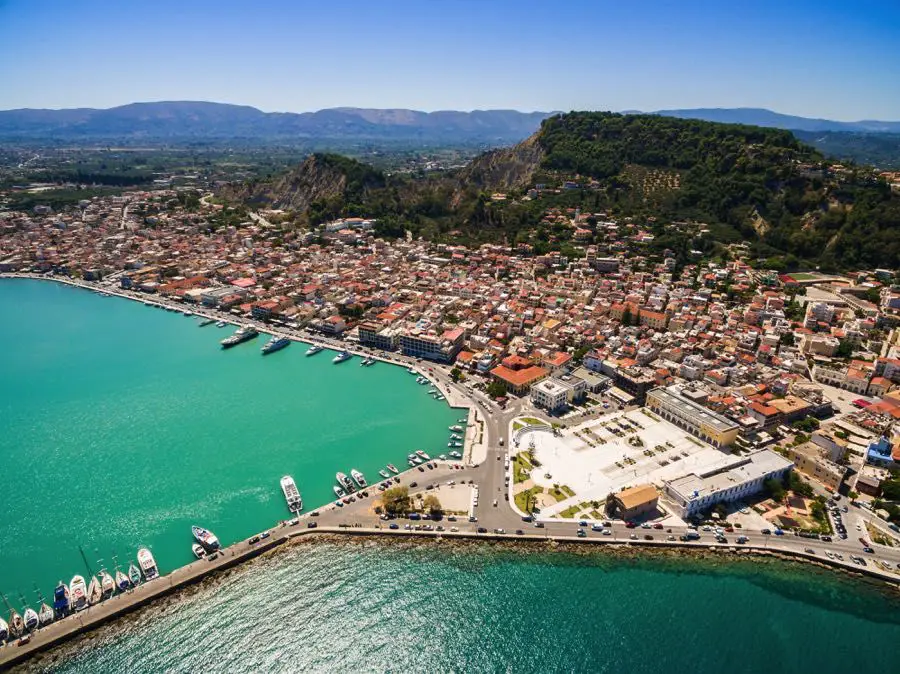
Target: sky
pixel 836 59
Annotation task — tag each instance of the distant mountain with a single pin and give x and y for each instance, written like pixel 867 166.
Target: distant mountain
pixel 763 117
pixel 186 120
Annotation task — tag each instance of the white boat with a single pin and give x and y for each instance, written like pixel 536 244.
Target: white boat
pixel 205 537
pixel 198 550
pixel 456 429
pixel 418 459
pixel 4 631
pixel 107 584
pixel 456 455
pixel 360 478
pixel 94 591
pixel 422 455
pixel 391 467
pixel 341 357
pixel 340 493
pixel 134 575
pixel 122 581
pixel 346 483
pixel 442 457
pixel 291 494
pixel 412 464
pixel 314 349
pixel 411 370
pixel 461 421
pixel 45 615
pixel 440 397
pixel 78 593
pixel 147 564
pixel 221 324
pixel 31 619
pixel 384 473
pixel 432 391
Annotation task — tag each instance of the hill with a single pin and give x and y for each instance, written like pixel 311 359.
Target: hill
pixel 768 118
pixel 193 120
pixel 757 185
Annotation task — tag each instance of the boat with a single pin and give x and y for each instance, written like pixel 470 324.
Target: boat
pixel 134 575
pixel 422 454
pixel 360 478
pixel 341 357
pixel 122 581
pixel 314 349
pixel 188 313
pixel 275 344
pixel 412 464
pixel 204 323
pixel 94 591
pixel 147 564
pixel 4 631
pixel 432 391
pixel 411 370
pixel 205 537
pixel 455 443
pixel 418 460
pixel 78 591
pixel 16 624
pixel 340 493
pixel 391 467
pixel 291 494
pixel 107 584
pixel 221 324
pixel 461 421
pixel 456 455
pixel 240 336
pixel 456 429
pixel 442 457
pixel 30 618
pixel 45 615
pixel 346 483
pixel 368 362
pixel 198 550
pixel 440 397
pixel 384 473
pixel 61 599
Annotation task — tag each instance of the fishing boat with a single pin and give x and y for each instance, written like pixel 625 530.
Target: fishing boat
pixel 78 591
pixel 147 564
pixel 384 473
pixel 340 493
pixel 346 483
pixel 422 455
pixel 45 615
pixel 314 349
pixel 205 537
pixel 391 467
pixel 291 494
pixel 107 584
pixel 360 478
pixel 30 618
pixel 4 631
pixel 61 599
pixel 122 581
pixel 94 591
pixel 198 550
pixel 134 575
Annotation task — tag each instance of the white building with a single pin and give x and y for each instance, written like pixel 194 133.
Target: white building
pixel 557 393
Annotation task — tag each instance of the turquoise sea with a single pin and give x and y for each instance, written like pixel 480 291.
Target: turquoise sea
pixel 121 425
pixel 375 607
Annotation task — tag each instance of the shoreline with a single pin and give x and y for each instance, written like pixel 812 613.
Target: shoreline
pixel 617 553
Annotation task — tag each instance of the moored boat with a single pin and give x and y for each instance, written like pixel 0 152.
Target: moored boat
pixel 204 323
pixel 455 455
pixel 122 581
pixel 221 324
pixel 16 624
pixel 45 615
pixel 275 344
pixel 94 591
pixel 346 483
pixel 107 584
pixel 456 429
pixel 291 494
pixel 61 599
pixel 147 564
pixel 205 537
pixel 341 357
pixel 134 574
pixel 422 455
pixel 4 631
pixel 30 618
pixel 384 473
pixel 198 550
pixel 78 593
pixel 314 349
pixel 360 478
pixel 340 493
pixel 240 336
pixel 391 467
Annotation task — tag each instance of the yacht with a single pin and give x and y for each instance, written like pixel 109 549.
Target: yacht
pixel 291 494
pixel 4 631
pixel 275 344
pixel 360 478
pixel 314 349
pixel 78 591
pixel 340 493
pixel 205 537
pixel 422 454
pixel 61 599
pixel 240 336
pixel 147 564
pixel 31 619
pixel 94 591
pixel 198 550
pixel 341 357
pixel 134 575
pixel 391 467
pixel 455 443
pixel 346 483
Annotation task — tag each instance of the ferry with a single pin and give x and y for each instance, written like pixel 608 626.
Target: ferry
pixel 291 494
pixel 198 550
pixel 4 631
pixel 205 537
pixel 391 467
pixel 30 617
pixel 94 591
pixel 107 584
pixel 423 455
pixel 346 483
pixel 61 599
pixel 384 473
pixel 79 593
pixel 147 564
pixel 122 581
pixel 45 615
pixel 456 429
pixel 341 357
pixel 240 336
pixel 275 344
pixel 204 323
pixel 134 575
pixel 314 349
pixel 340 493
pixel 360 478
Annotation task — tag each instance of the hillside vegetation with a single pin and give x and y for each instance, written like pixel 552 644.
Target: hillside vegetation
pixel 753 184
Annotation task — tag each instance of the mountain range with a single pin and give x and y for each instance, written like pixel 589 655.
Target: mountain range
pixel 187 120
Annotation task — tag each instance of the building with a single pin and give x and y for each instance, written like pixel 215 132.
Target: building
pixel 814 462
pixel 441 348
pixel 673 405
pixel 634 502
pixel 735 478
pixel 557 393
pixel 518 374
pixel 371 334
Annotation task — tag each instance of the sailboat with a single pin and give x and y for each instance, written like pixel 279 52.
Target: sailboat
pixel 122 581
pixel 61 600
pixel 45 613
pixel 94 592
pixel 78 591
pixel 16 626
pixel 30 616
pixel 107 584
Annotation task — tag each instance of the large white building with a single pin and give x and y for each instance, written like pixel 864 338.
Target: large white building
pixel 734 478
pixel 557 393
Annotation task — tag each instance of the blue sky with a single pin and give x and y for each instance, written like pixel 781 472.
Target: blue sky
pixel 833 59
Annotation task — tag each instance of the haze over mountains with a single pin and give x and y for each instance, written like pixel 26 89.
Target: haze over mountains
pixel 186 120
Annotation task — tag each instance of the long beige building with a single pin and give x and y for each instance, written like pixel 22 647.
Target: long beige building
pixel 672 405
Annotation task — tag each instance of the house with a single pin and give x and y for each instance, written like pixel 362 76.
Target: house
pixel 635 502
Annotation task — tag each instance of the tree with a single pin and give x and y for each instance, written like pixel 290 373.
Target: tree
pixel 396 500
pixel 456 374
pixel 787 339
pixel 844 350
pixel 890 489
pixel 496 389
pixel 433 506
pixel 775 489
pixel 808 425
pixel 626 316
pixel 799 486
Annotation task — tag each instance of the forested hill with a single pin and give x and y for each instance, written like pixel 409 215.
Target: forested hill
pixel 752 184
